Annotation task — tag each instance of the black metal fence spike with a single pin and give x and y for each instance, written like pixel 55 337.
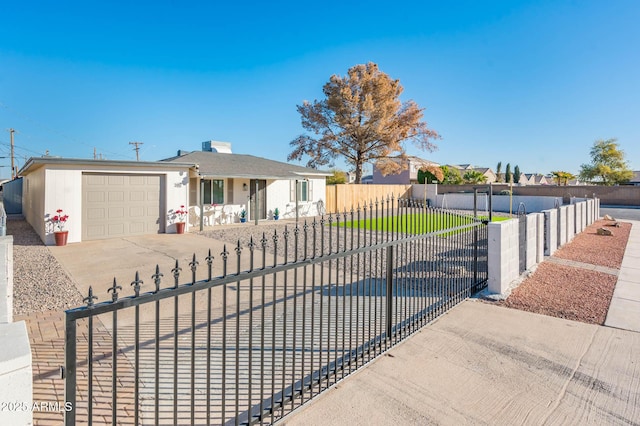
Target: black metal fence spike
pixel 194 266
pixel 252 244
pixel 176 274
pixel 209 258
pixel 114 290
pixel 263 241
pixel 90 298
pixel 157 278
pixel 136 284
pixel 238 248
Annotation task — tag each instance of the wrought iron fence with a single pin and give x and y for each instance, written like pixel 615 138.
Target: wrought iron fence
pixel 286 317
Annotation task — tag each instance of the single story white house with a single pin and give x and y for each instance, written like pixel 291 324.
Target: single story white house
pixel 108 199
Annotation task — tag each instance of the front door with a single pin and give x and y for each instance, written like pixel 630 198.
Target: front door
pixel 258 186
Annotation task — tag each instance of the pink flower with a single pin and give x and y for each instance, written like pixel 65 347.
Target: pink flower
pixel 180 214
pixel 59 220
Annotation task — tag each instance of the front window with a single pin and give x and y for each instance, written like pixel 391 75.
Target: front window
pixel 304 191
pixel 213 191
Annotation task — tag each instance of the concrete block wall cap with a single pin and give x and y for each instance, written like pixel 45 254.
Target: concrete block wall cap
pixel 16 352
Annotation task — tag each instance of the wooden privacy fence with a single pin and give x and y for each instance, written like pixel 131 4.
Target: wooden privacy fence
pixel 346 196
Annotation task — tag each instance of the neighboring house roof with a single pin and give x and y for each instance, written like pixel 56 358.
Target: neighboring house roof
pixel 463 166
pixel 539 179
pixel 212 165
pixel 413 160
pixel 635 178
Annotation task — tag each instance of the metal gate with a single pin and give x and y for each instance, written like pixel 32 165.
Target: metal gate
pixel 247 345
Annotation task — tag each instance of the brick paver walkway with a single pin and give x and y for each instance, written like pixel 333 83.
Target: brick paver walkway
pixel 46 335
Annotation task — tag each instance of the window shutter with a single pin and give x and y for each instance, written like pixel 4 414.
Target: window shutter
pixel 292 191
pixel 310 190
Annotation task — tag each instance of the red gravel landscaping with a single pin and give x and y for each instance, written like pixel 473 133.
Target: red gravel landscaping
pixel 570 292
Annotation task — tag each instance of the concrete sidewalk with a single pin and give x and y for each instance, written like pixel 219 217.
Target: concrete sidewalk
pixel 484 364
pixel 624 311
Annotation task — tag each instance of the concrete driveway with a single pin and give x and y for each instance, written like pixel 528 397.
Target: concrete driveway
pixel 97 263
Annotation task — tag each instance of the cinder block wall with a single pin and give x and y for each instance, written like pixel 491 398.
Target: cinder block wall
pixel 563 223
pixel 504 255
pixel 551 231
pixel 533 238
pixel 571 222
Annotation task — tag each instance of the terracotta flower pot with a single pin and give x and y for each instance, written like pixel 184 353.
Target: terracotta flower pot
pixel 61 237
pixel 180 227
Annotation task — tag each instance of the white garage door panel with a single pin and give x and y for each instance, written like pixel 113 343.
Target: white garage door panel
pixel 117 205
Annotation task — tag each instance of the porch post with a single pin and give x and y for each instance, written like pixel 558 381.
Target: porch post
pixel 201 205
pixel 297 199
pixel 255 203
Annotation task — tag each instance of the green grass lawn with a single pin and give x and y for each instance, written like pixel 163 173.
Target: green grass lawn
pixel 415 223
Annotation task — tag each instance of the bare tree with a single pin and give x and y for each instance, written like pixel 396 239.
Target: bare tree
pixel 362 120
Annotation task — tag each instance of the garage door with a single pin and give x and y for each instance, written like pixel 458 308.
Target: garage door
pixel 118 205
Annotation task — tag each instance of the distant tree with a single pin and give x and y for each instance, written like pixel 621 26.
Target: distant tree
pixel 474 176
pixel 362 120
pixel 430 174
pixel 608 166
pixel 562 178
pixel 516 174
pixel 337 177
pixel 499 172
pixel 451 175
pixel 508 177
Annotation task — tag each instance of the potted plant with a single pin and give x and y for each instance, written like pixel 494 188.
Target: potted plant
pixel 243 215
pixel 58 221
pixel 276 214
pixel 180 216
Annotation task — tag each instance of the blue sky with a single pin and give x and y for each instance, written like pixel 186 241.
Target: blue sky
pixel 532 83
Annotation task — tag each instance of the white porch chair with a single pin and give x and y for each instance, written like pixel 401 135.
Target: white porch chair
pixel 194 216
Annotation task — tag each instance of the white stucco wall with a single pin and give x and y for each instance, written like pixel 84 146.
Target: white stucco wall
pixel 279 195
pixel 50 188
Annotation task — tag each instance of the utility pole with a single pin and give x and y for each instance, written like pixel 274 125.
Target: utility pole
pixel 13 175
pixel 136 149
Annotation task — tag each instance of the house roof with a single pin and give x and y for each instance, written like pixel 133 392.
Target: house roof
pixel 636 177
pixel 217 165
pixel 35 163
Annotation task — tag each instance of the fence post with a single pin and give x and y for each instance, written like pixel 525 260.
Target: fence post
pixel 70 371
pixel 389 291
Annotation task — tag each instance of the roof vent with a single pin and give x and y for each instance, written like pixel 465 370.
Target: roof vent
pixel 216 146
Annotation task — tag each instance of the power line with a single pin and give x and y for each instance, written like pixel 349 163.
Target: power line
pixel 51 130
